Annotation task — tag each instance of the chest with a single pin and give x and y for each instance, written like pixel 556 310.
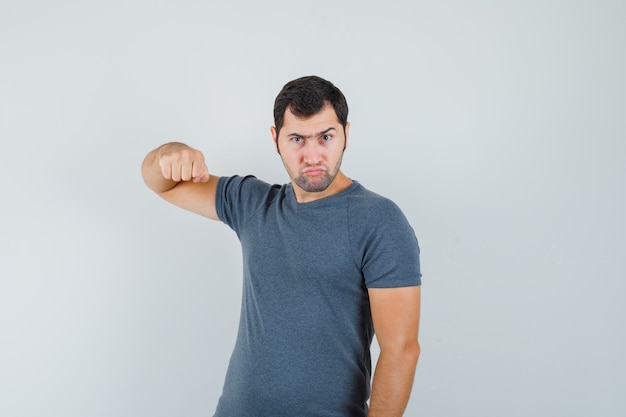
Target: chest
pixel 308 248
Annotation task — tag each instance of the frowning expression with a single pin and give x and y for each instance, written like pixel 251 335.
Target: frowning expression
pixel 312 150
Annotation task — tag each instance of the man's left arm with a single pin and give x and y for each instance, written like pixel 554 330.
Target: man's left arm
pixel 395 315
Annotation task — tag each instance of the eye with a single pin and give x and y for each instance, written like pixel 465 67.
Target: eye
pixel 326 138
pixel 296 139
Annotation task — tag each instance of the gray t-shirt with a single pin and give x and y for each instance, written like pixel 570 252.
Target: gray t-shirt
pixel 303 347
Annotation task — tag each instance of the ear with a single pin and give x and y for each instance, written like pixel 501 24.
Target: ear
pixel 274 137
pixel 347 130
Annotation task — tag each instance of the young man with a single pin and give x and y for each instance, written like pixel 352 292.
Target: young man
pixel 326 263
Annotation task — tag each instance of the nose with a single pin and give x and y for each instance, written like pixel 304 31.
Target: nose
pixel 312 153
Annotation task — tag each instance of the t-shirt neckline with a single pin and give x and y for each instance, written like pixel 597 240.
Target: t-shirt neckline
pixel 324 200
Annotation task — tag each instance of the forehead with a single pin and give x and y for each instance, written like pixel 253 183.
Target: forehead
pixel 324 118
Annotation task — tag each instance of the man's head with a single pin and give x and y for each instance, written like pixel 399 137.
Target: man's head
pixel 307 96
pixel 311 134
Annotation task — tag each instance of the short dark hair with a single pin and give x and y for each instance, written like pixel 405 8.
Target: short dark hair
pixel 307 96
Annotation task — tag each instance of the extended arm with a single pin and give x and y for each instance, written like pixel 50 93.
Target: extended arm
pixel 395 314
pixel 179 174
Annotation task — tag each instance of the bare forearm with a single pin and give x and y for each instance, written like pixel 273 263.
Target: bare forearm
pixel 393 381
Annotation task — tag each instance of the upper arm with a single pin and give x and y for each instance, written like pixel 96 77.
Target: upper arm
pixel 395 315
pixel 196 197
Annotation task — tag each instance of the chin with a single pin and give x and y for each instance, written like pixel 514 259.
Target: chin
pixel 313 186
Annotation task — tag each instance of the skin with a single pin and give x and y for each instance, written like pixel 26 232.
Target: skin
pixel 311 150
pixel 395 314
pixel 178 174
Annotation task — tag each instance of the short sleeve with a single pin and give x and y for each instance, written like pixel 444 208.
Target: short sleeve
pixel 237 198
pixel 385 246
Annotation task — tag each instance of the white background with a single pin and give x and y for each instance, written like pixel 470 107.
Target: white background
pixel 499 127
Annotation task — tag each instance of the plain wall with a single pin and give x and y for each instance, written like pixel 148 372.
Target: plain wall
pixel 498 127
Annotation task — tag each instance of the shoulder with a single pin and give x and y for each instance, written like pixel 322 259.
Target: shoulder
pixel 372 216
pixel 248 186
pixel 238 197
pixel 383 242
pixel 237 181
pixel 366 204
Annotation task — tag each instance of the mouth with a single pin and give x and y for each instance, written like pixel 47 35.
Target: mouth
pixel 313 171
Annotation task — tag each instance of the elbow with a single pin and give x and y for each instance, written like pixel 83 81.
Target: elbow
pixel 407 352
pixel 413 351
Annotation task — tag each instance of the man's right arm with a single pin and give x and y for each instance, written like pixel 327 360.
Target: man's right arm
pixel 178 174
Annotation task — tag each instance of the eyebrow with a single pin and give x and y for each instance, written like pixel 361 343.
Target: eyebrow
pixel 323 132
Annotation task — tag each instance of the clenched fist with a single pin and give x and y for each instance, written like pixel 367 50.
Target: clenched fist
pixel 179 174
pixel 179 162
